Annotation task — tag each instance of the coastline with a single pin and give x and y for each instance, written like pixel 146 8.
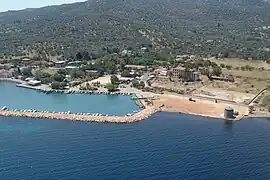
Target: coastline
pixel 164 102
pixel 18 81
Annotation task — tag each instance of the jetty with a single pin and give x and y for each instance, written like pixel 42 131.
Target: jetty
pixel 87 117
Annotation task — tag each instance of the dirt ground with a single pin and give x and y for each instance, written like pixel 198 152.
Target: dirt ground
pixel 238 91
pixel 199 107
pixel 236 62
pixel 238 97
pixel 103 80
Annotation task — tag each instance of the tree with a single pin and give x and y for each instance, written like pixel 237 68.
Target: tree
pixel 77 73
pixel 58 77
pixel 142 84
pixel 229 67
pixel 226 54
pixel 85 56
pixel 135 83
pixel 111 87
pixel 222 65
pixel 216 71
pixel 58 85
pixel 62 71
pixel 114 80
pixel 125 73
pixel 27 72
pixel 79 56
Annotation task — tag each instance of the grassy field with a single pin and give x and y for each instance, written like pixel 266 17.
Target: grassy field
pixel 255 74
pixel 236 62
pixel 50 70
pixel 245 81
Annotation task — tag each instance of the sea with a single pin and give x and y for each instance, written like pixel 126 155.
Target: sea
pixel 167 146
pixel 14 97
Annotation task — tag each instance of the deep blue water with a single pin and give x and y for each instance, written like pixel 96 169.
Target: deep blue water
pixel 166 146
pixel 20 98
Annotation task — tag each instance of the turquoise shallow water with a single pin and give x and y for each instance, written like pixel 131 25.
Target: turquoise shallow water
pixel 166 146
pixel 19 98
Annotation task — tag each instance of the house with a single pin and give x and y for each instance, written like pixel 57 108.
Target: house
pixel 135 67
pixel 92 72
pixel 126 53
pixel 74 63
pixel 182 57
pixel 6 73
pixel 34 83
pixel 228 78
pixel 125 80
pixel 60 64
pixel 26 61
pixel 70 68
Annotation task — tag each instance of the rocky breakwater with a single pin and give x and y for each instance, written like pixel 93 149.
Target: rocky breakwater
pixel 131 118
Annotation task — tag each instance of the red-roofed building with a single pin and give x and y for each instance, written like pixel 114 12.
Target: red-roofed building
pixel 6 73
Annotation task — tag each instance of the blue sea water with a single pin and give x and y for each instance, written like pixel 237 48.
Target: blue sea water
pixel 166 146
pixel 19 98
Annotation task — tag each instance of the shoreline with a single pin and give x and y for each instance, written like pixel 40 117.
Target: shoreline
pixel 165 103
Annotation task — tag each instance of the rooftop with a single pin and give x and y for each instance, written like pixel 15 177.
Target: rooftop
pixel 135 66
pixel 60 62
pixel 160 70
pixel 179 68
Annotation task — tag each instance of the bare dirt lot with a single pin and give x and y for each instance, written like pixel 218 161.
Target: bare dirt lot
pixel 198 107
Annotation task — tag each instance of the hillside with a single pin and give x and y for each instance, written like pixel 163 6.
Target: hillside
pixel 235 27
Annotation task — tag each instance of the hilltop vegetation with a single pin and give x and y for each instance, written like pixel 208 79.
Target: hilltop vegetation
pixel 235 28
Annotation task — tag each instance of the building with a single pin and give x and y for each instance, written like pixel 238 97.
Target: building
pixel 34 83
pixel 71 68
pixel 161 72
pixel 125 80
pixel 229 78
pixel 6 73
pixel 60 64
pixel 135 67
pixel 182 57
pixel 92 72
pixel 74 63
pixel 182 73
pixel 26 61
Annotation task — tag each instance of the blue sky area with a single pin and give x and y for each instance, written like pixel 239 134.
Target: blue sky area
pixel 6 5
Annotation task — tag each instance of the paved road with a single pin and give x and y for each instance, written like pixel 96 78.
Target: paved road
pixel 145 77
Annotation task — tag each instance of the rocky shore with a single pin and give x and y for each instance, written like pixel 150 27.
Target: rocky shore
pixel 139 116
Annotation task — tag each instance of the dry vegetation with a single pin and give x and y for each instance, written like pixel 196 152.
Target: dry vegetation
pixel 236 62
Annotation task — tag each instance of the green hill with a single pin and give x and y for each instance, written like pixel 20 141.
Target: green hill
pixel 232 27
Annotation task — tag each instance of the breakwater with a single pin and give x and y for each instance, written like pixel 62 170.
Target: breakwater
pixel 129 118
